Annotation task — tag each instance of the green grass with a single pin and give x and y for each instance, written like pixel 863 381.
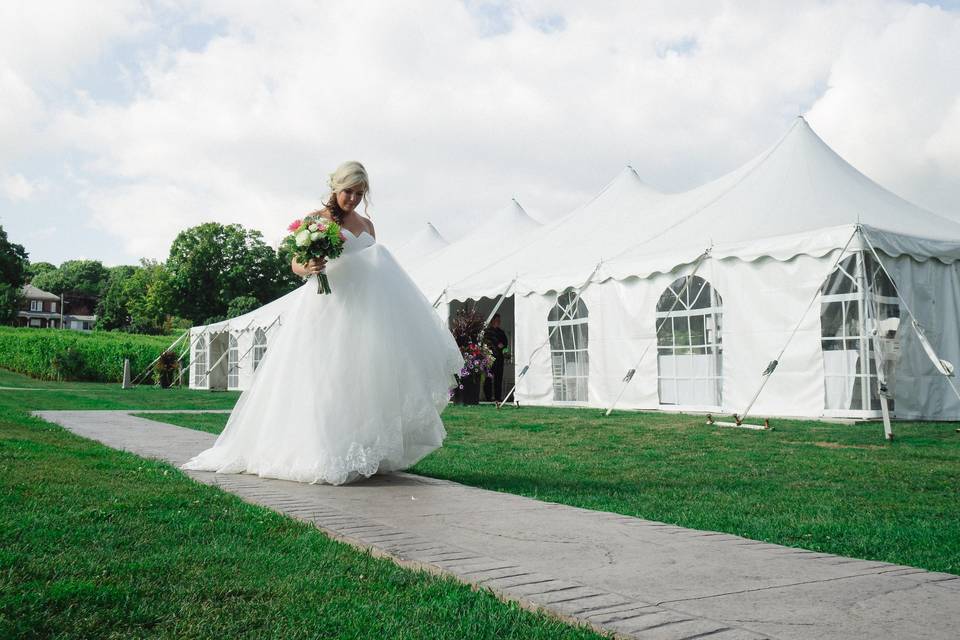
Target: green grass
pixel 826 487
pixel 97 543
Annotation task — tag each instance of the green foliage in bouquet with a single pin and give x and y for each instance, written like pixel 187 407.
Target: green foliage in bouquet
pixel 313 237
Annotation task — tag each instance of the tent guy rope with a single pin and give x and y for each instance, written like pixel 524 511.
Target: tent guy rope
pixel 573 303
pixel 632 370
pixel 772 365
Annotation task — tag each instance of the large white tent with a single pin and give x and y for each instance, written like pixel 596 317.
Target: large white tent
pixel 795 257
pixel 790 254
pixel 420 246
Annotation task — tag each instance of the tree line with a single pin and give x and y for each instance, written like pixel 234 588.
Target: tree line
pixel 213 272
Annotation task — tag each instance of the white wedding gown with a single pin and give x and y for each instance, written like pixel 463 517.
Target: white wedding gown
pixel 353 384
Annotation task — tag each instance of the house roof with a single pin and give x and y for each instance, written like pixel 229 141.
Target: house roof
pixel 30 292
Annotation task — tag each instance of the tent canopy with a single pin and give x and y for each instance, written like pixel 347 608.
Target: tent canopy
pixel 493 237
pixel 798 197
pixel 422 244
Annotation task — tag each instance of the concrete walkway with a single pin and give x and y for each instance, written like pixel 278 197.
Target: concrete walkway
pixel 636 578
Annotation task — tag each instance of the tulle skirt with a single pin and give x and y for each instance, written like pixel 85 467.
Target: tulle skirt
pixel 352 384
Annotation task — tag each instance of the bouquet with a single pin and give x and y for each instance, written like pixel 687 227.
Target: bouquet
pixel 314 237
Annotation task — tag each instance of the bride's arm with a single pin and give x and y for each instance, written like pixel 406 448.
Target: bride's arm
pixel 309 269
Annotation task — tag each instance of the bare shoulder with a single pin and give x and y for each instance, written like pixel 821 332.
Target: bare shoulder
pixel 370 228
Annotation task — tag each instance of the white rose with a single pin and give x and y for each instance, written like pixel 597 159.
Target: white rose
pixel 315 236
pixel 313 226
pixel 303 238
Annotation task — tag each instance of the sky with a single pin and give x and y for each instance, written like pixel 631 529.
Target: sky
pixel 123 122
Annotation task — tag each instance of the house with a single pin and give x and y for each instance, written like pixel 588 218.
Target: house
pixel 39 308
pixel 42 309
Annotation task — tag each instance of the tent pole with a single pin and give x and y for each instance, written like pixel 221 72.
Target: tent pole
pixel 219 360
pixel 878 363
pixel 270 326
pixel 630 372
pixel 573 303
pixel 157 359
pixel 939 366
pixel 772 366
pixel 496 307
pixel 189 349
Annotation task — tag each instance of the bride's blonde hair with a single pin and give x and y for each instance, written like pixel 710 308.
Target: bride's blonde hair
pixel 349 174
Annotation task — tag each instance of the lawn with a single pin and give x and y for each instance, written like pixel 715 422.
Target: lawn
pixel 826 487
pixel 98 543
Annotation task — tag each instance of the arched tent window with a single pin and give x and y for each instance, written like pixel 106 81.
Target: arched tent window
pixel 567 324
pixel 233 363
pixel 859 319
pixel 259 346
pixel 689 348
pixel 200 362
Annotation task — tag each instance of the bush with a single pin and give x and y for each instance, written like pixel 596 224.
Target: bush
pixel 61 354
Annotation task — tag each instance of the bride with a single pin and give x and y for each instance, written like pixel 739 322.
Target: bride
pixel 355 381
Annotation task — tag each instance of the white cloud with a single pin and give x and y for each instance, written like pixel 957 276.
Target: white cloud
pixel 15 187
pixel 456 107
pixel 893 106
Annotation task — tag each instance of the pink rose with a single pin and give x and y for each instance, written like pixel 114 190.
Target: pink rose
pixel 294 225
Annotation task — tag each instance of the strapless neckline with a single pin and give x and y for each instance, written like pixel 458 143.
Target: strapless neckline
pixel 355 236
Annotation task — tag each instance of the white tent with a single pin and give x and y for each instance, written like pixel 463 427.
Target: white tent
pixel 225 354
pixel 420 246
pixel 796 227
pixel 491 238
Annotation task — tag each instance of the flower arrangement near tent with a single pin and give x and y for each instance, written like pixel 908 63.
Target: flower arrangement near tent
pixel 467 329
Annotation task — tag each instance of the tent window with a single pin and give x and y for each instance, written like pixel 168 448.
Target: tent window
pixel 856 298
pixel 200 362
pixel 259 347
pixel 567 324
pixel 689 350
pixel 233 364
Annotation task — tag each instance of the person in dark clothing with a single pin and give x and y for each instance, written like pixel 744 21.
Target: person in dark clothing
pixel 496 339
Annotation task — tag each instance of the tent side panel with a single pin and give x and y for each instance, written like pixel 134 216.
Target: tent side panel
pixel 763 301
pixel 530 332
pixel 932 290
pixel 245 353
pixel 623 324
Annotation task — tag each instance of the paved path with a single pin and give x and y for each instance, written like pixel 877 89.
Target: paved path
pixel 638 578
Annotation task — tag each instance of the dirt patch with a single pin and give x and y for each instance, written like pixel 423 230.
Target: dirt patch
pixel 837 445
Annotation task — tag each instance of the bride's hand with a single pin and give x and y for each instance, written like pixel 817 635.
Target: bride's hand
pixel 315 265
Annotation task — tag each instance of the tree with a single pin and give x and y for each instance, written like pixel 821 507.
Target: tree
pixel 112 310
pixel 137 299
pixel 211 264
pixel 84 278
pixel 36 268
pixel 151 298
pixel 241 305
pixel 13 275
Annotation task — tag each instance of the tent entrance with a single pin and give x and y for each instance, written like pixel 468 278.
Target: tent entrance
pixel 217 375
pixel 484 306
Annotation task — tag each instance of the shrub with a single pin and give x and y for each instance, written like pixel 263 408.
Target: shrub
pixel 54 354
